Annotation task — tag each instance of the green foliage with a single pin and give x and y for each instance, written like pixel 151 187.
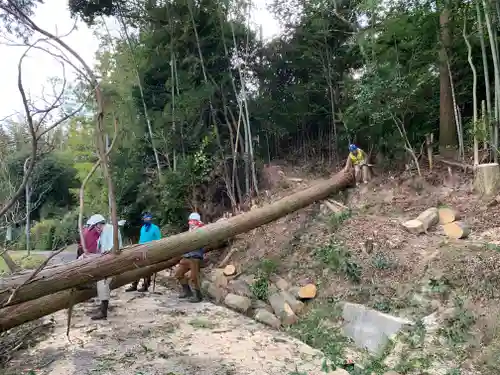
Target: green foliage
pixel 456 328
pixel 260 287
pixel 43 235
pixel 329 79
pixel 52 234
pixel 336 257
pixel 267 267
pixel 382 261
pixel 317 330
pixel 88 10
pixel 338 218
pixel 66 231
pixel 23 260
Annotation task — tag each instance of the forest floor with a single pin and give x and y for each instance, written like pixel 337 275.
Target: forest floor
pixel 450 289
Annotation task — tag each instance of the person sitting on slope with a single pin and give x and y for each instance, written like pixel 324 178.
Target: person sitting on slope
pixel 358 159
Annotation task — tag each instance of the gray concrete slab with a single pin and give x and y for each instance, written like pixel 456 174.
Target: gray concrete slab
pixel 370 329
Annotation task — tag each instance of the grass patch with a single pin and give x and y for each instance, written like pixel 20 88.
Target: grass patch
pixel 338 218
pixel 260 287
pixel 318 330
pixel 456 328
pixel 411 364
pixel 382 261
pixel 22 260
pixel 336 257
pixel 416 336
pixel 202 323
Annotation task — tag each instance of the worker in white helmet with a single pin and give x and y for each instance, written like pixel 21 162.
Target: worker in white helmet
pixel 191 262
pixel 104 245
pixel 91 233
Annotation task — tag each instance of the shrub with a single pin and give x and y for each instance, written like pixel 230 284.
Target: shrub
pixel 42 235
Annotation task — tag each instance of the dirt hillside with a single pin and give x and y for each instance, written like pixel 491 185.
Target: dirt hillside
pixel 419 277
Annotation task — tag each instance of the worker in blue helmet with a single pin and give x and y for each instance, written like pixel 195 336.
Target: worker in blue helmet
pixel 358 159
pixel 149 232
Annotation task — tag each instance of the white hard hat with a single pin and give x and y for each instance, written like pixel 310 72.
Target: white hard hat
pixel 121 223
pixel 96 219
pixel 194 216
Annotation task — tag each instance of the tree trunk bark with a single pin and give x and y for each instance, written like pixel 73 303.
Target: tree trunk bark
pixel 447 130
pixel 16 315
pixel 11 265
pixel 137 256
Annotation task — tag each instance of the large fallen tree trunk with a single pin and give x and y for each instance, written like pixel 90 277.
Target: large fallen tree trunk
pixel 16 315
pixel 87 270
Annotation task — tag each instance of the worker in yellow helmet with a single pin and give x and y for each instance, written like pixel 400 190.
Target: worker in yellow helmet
pixel 358 159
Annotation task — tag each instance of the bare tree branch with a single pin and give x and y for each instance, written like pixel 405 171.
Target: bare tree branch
pixel 14 10
pixel 34 143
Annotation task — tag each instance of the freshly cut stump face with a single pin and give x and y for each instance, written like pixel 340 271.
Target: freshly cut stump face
pixel 308 291
pixel 229 270
pixel 456 230
pixel 447 215
pixel 414 226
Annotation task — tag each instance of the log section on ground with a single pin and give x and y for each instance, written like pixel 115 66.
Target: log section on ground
pixel 452 163
pixel 423 222
pixel 87 270
pixel 308 291
pixel 13 316
pixel 429 218
pixel 447 215
pixel 487 179
pixel 456 230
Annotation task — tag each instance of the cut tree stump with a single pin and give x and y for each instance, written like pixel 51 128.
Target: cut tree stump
pixel 487 179
pixel 332 207
pixel 229 270
pixel 238 303
pixel 308 291
pixel 429 218
pixel 240 287
pixel 215 292
pixel 456 230
pixel 218 278
pixel 294 291
pixel 280 282
pixel 268 318
pixel 282 309
pixel 296 305
pixel 414 226
pixel 447 215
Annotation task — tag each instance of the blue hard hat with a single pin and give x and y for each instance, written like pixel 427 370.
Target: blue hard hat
pixel 147 215
pixel 353 147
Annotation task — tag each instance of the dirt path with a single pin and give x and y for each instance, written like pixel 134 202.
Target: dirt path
pixel 156 334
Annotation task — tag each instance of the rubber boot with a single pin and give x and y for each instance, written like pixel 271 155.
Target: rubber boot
pixel 196 297
pixel 132 287
pixel 145 285
pixel 186 291
pixel 103 311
